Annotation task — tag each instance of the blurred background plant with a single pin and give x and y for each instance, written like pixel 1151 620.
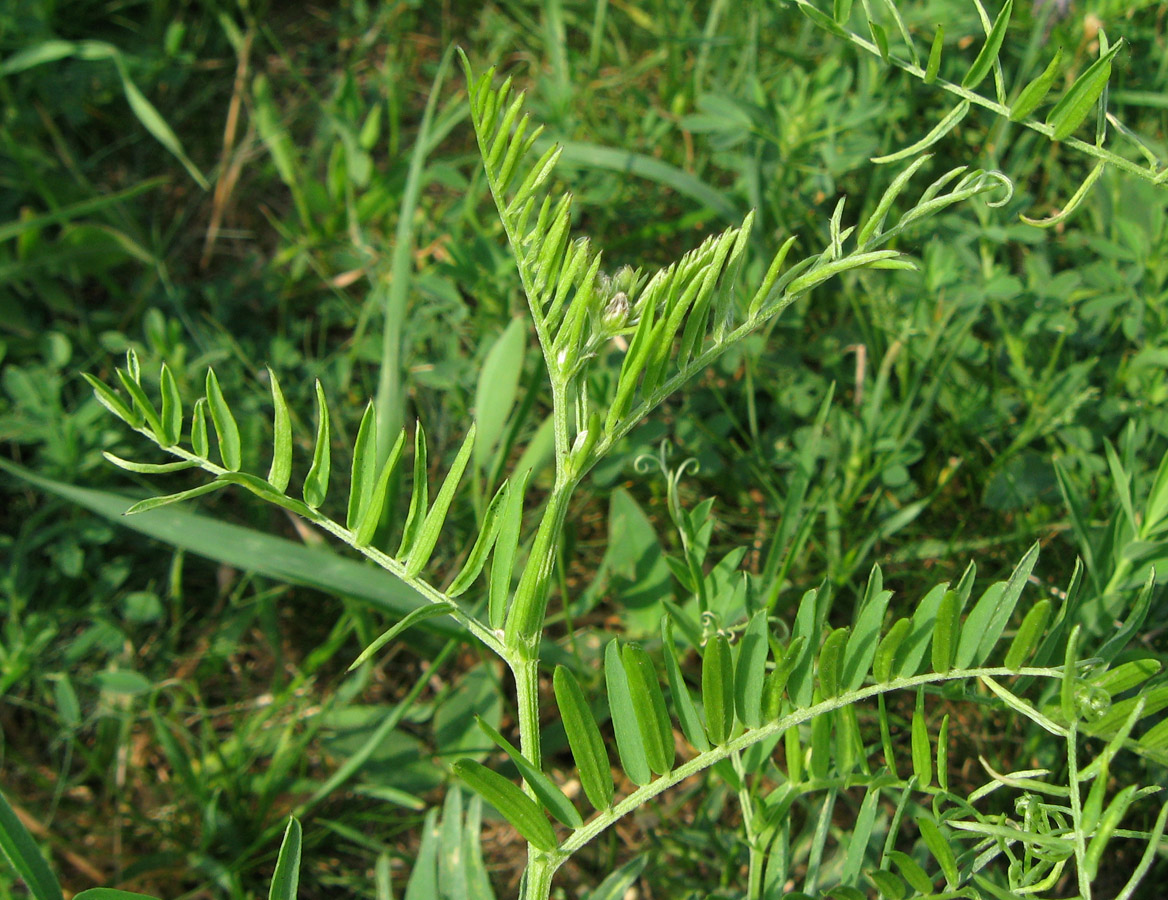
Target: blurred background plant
pixel 275 184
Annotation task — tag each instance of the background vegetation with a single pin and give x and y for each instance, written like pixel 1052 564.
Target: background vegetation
pixel 297 186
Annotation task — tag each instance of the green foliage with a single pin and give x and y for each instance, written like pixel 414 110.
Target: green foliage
pixel 999 390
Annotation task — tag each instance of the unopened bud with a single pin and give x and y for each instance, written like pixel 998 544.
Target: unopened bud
pixel 616 313
pixel 625 278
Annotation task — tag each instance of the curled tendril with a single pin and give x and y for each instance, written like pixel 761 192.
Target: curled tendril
pixel 1025 804
pixel 647 462
pixel 711 625
pixel 1003 180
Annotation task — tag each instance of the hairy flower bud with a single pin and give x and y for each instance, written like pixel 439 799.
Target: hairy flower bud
pixel 616 313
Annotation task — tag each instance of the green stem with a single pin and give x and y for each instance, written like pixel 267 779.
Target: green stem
pixel 641 795
pixel 537 877
pixel 395 567
pixel 757 856
pixel 525 618
pixel 526 673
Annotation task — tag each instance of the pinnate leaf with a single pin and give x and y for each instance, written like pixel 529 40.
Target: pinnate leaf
pixel 750 673
pixel 718 689
pixel 514 805
pixel 588 750
pixel 552 798
pixel 431 527
pixel 649 708
pixel 630 745
pixel 1075 105
pixel 280 472
pixel 226 430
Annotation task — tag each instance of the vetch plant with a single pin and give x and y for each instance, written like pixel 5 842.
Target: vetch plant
pixel 792 717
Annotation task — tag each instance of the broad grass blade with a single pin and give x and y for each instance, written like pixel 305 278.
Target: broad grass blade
pixel 286 878
pixel 497 387
pixel 22 852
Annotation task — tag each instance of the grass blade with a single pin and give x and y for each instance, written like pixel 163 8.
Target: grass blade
pixel 497 387
pixel 616 885
pixel 391 399
pixel 286 878
pixel 628 163
pixel 423 883
pixel 21 850
pixel 247 549
pixel 145 112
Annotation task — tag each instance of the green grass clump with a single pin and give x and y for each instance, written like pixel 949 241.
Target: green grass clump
pixel 889 281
